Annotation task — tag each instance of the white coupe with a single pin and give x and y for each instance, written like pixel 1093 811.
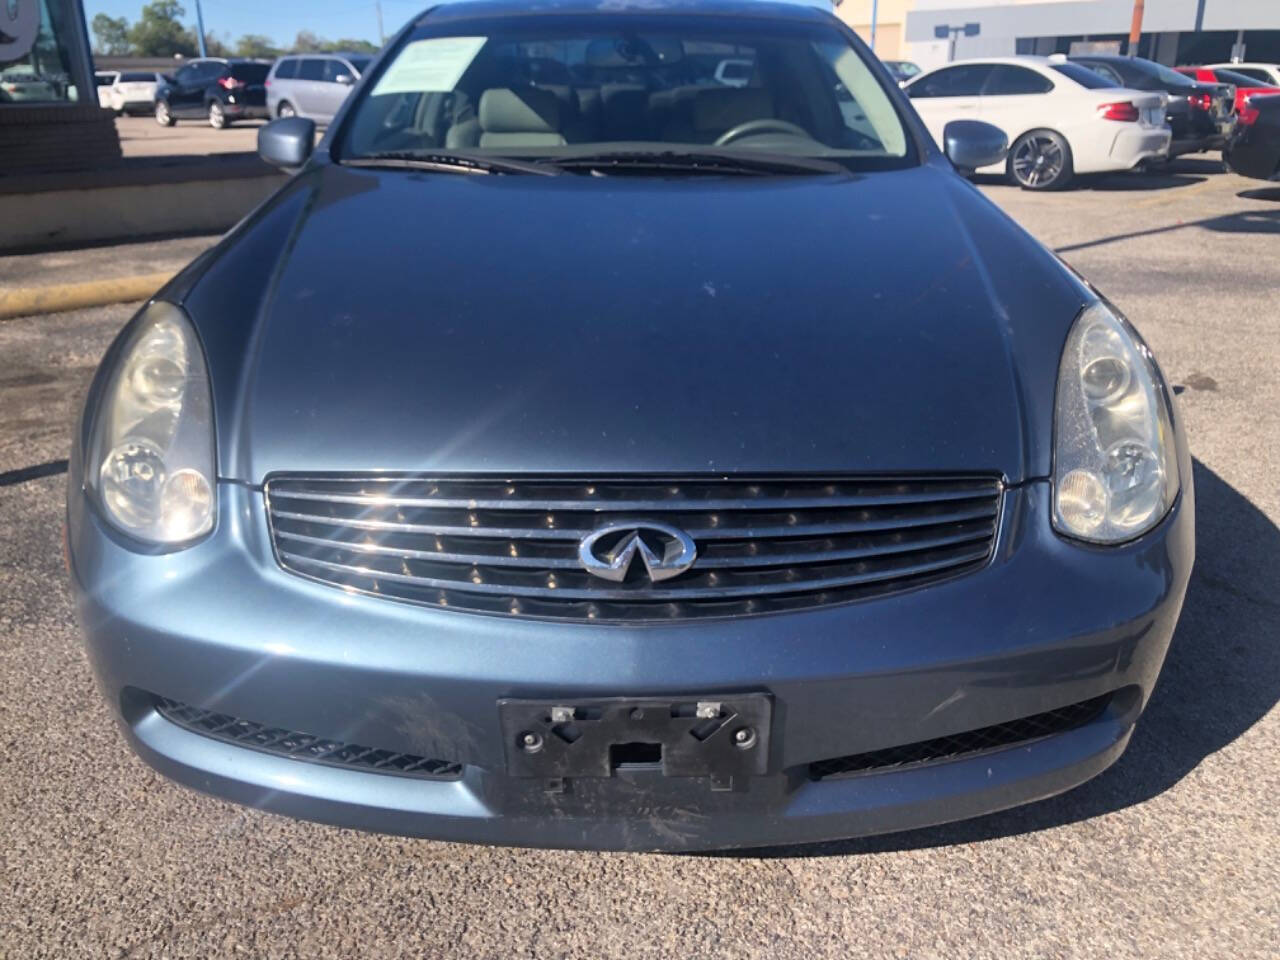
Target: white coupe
pixel 1061 118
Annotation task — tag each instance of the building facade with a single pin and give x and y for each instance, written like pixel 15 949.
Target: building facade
pixel 49 114
pixel 890 24
pixel 1173 31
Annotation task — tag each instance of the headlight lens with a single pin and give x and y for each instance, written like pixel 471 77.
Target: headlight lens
pixel 1115 466
pixel 151 458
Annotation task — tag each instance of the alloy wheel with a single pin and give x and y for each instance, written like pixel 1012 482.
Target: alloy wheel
pixel 216 118
pixel 1038 161
pixel 162 113
pixel 286 110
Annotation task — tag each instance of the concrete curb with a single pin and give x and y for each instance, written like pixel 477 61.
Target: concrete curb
pixel 31 301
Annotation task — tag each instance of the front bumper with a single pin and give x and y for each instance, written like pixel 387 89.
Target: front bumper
pixel 221 626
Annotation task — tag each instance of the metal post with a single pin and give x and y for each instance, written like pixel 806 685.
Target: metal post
pixel 1237 48
pixel 875 9
pixel 382 37
pixel 200 30
pixel 1135 28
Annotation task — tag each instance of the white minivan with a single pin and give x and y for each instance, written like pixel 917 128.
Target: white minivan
pixel 313 85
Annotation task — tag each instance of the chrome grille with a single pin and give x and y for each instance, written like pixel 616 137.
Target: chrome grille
pixel 511 546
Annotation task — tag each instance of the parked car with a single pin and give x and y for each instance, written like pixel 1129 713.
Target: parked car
pixel 1261 72
pixel 902 70
pixel 218 91
pixel 1244 87
pixel 758 481
pixel 313 86
pixel 103 80
pixel 1254 150
pixel 1060 118
pixel 20 83
pixel 1200 114
pixel 134 92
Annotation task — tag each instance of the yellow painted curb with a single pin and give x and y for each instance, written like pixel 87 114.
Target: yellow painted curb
pixel 29 301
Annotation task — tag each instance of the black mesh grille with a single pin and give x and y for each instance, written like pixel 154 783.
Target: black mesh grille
pixel 304 746
pixel 511 547
pixel 964 744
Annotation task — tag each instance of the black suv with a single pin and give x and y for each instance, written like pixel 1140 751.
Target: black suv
pixel 220 91
pixel 1199 114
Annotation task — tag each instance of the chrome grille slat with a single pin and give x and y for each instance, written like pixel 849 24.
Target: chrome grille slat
pixel 854 553
pixel 469 559
pixel 385 500
pixel 510 547
pixel 653 593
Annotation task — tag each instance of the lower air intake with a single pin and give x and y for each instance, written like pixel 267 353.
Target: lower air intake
pixel 959 745
pixel 304 746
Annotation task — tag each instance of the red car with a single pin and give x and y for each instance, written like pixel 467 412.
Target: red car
pixel 1245 87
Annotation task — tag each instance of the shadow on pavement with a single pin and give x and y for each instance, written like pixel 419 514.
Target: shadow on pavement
pixel 1271 194
pixel 1135 182
pixel 1222 675
pixel 1161 179
pixel 1194 165
pixel 1245 221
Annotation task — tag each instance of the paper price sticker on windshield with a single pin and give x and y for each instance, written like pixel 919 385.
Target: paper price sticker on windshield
pixel 430 66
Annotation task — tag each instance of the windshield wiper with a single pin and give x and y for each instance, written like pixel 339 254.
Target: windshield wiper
pixel 453 162
pixel 697 161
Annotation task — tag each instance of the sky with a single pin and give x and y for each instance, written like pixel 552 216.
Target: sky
pixel 279 19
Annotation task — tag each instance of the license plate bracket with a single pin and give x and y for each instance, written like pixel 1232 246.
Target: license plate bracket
pixel 723 737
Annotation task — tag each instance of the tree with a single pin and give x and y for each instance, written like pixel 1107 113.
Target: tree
pixel 112 35
pixel 307 42
pixel 215 46
pixel 159 33
pixel 255 45
pixel 353 46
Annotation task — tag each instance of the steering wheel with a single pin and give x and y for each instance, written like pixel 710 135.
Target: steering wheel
pixel 753 127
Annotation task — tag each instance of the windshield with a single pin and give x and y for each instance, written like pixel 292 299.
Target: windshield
pixel 557 87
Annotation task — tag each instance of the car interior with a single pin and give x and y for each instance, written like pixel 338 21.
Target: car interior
pixel 546 93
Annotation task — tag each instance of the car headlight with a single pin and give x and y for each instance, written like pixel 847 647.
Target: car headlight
pixel 1115 464
pixel 151 453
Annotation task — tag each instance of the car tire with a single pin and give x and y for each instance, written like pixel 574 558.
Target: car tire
pixel 217 119
pixel 1040 160
pixel 163 116
pixel 286 109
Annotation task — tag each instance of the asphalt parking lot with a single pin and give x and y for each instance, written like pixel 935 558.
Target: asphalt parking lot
pixel 1174 852
pixel 141 136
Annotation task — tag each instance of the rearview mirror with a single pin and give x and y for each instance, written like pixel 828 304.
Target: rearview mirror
pixel 287 142
pixel 970 144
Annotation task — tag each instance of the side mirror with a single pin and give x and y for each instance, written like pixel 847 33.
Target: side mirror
pixel 970 144
pixel 344 79
pixel 287 142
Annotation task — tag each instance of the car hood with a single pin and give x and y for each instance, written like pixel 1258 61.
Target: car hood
pixel 391 320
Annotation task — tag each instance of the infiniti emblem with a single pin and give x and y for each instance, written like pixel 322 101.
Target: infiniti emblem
pixel 608 552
